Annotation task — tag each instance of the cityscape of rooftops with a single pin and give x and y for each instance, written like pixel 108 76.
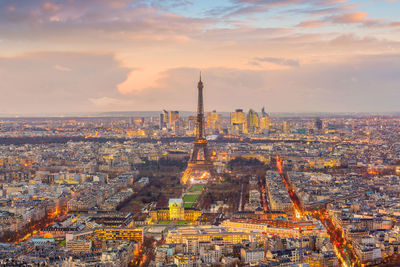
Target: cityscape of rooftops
pixel 194 133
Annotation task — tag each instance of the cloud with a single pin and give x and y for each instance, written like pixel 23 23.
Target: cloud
pixel 322 11
pixel 287 3
pixel 382 24
pixel 249 7
pixel 61 68
pixel 362 83
pixel 104 101
pixel 35 82
pixel 356 17
pixel 50 7
pixel 95 20
pixel 395 24
pixel 362 19
pixel 279 61
pixel 311 23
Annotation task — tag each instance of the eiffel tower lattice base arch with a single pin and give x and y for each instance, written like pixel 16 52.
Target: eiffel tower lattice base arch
pixel 200 168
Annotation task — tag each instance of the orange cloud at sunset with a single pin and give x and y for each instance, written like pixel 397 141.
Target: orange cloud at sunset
pixel 356 17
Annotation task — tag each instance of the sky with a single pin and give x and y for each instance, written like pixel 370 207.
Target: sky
pixel 77 56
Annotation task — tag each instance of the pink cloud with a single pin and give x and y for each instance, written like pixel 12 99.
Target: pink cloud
pixel 362 18
pixel 50 7
pixel 335 86
pixel 381 24
pixel 58 81
pixel 311 23
pixel 394 24
pixel 356 17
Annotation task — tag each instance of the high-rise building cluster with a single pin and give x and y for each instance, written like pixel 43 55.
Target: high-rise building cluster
pixel 169 119
pixel 215 123
pixel 251 123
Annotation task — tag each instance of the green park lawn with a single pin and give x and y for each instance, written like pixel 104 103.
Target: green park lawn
pixel 191 198
pixel 196 188
pixel 188 205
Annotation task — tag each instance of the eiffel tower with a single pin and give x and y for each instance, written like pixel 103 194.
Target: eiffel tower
pixel 200 167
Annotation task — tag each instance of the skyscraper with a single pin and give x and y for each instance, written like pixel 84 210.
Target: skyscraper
pixel 264 121
pixel 253 122
pixel 164 119
pixel 238 121
pixel 318 124
pixel 213 121
pixel 286 127
pixel 173 116
pixel 178 127
pixel 192 125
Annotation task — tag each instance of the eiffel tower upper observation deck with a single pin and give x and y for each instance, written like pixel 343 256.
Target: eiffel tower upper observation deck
pixel 200 167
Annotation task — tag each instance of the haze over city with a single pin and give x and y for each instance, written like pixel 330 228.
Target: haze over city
pixel 70 56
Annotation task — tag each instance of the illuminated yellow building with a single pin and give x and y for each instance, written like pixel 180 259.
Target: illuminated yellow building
pixel 186 260
pixel 79 245
pixel 286 127
pixel 175 212
pixel 192 215
pixel 320 163
pixel 173 116
pixel 264 228
pixel 332 163
pixel 97 236
pixel 164 120
pixel 138 132
pixel 239 121
pixel 213 120
pixel 159 215
pixel 264 123
pixel 207 234
pixel 277 227
pixel 253 122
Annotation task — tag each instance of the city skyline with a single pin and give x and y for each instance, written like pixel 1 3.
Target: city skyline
pixel 65 57
pixel 195 133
